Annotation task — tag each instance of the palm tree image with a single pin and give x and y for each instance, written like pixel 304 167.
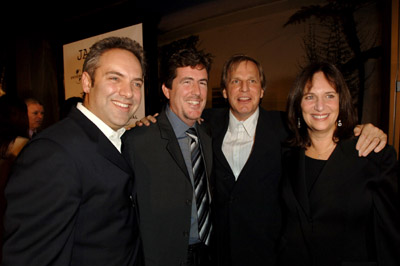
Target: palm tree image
pixel 333 34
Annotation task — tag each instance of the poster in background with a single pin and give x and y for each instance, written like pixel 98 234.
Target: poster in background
pixel 75 53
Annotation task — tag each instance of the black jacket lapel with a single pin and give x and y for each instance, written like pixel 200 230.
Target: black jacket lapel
pixel 218 138
pixel 294 167
pixel 173 147
pixel 105 147
pixel 263 139
pixel 343 157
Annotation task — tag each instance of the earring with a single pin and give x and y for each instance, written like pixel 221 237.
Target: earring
pixel 298 123
pixel 339 123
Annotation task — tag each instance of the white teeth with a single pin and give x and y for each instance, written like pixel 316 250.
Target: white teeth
pixel 193 102
pixel 244 98
pixel 320 116
pixel 121 104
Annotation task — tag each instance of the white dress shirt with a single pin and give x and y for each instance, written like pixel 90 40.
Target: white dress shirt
pixel 238 141
pixel 112 135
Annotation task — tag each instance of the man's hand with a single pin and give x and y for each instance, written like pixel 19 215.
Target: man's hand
pixel 147 120
pixel 371 138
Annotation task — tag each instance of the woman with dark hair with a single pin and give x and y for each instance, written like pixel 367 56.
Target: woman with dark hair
pixel 14 128
pixel 339 208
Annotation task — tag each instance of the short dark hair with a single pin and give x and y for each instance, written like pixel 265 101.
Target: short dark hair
pixel 347 112
pixel 100 47
pixel 233 62
pixel 183 58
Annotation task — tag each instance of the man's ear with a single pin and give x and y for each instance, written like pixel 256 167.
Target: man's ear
pixel 165 90
pixel 262 94
pixel 224 94
pixel 86 82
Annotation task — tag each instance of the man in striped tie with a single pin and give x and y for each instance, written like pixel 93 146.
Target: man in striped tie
pixel 172 162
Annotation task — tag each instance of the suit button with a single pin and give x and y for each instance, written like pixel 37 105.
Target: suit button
pixel 232 200
pixel 189 202
pixel 131 198
pixel 185 233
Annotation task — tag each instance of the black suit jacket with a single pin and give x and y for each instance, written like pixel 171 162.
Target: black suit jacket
pixel 164 189
pixel 351 214
pixel 70 200
pixel 247 211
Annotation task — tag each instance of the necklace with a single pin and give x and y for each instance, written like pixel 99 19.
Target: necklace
pixel 317 154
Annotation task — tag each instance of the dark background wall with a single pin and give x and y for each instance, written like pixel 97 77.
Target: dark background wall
pixel 33 35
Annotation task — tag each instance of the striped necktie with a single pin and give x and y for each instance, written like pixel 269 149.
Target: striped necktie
pixel 200 187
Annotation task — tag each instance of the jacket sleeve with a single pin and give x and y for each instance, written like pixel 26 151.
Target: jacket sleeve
pixel 43 197
pixel 386 206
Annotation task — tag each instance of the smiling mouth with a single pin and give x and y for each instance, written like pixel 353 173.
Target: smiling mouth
pixel 192 102
pixel 243 99
pixel 320 116
pixel 123 105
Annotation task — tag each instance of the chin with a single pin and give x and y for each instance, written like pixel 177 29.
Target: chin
pixel 194 114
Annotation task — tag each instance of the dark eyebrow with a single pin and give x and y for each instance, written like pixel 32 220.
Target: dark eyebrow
pixel 122 75
pixel 138 79
pixel 114 73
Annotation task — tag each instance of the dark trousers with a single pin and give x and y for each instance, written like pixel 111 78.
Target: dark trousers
pixel 199 255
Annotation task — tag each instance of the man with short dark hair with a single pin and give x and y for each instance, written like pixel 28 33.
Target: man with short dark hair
pixel 172 161
pixel 71 199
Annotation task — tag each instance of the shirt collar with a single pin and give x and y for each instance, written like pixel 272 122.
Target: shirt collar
pixel 108 131
pixel 249 124
pixel 177 124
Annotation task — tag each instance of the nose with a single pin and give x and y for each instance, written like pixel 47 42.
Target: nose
pixel 126 90
pixel 244 86
pixel 319 105
pixel 196 89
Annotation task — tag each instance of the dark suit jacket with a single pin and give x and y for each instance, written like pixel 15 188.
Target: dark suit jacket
pixel 164 189
pixel 70 200
pixel 247 212
pixel 351 214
